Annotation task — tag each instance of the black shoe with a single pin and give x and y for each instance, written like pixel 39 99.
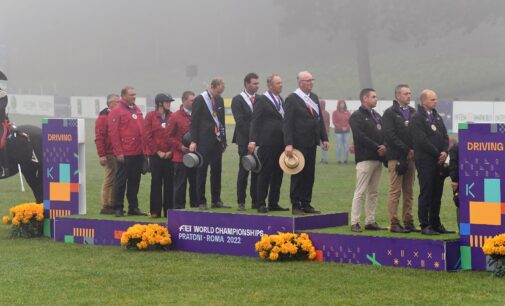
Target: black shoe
pixel 311 210
pixel 219 204
pixel 412 228
pixel 262 209
pixel 441 229
pixel 373 227
pixel 297 211
pixel 397 228
pixel 339 162
pixel 241 206
pixel 356 228
pixel 429 231
pixel 107 211
pixel 276 207
pixel 136 212
pixel 119 213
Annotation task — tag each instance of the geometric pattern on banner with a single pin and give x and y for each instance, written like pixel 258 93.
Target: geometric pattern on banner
pixel 481 172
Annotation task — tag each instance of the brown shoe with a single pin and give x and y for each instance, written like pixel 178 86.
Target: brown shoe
pixel 298 211
pixel 356 228
pixel 397 228
pixel 107 211
pixel 311 210
pixel 373 227
pixel 154 216
pixel 411 228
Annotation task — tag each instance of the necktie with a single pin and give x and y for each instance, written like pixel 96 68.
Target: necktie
pixel 252 99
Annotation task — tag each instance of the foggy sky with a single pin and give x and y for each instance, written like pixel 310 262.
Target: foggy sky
pixel 75 47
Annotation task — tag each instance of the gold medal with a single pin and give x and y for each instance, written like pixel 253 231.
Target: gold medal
pixel 433 127
pixel 406 123
pixel 214 114
pixel 379 127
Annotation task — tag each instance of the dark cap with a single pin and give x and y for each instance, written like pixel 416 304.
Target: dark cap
pixel 162 97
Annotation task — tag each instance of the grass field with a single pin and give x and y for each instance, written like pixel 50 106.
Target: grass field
pixel 43 272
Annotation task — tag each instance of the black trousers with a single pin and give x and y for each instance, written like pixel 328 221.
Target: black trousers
pixel 162 185
pixel 270 176
pixel 212 156
pixel 182 176
pixel 128 180
pixel 242 180
pixel 431 186
pixel 302 183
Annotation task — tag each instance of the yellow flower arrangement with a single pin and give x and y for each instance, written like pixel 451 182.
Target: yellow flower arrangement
pixel 285 246
pixel 146 237
pixel 26 220
pixel 495 249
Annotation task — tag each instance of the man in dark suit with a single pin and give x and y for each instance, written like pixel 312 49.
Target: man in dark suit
pixel 266 132
pixel 431 143
pixel 242 107
pixel 208 136
pixel 303 129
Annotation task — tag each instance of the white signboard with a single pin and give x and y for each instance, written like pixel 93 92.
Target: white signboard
pixel 31 105
pixel 90 107
pixel 472 111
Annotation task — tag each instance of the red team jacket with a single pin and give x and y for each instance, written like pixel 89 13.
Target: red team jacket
pixel 155 133
pixel 126 128
pixel 179 125
pixel 102 137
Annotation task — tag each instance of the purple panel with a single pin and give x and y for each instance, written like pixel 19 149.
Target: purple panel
pixel 383 251
pixel 475 166
pixel 221 233
pixel 60 154
pixel 320 221
pixel 453 255
pixel 103 232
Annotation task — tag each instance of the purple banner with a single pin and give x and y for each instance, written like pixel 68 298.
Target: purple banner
pixel 384 251
pixel 222 233
pixel 481 168
pixel 321 221
pixel 61 167
pixel 91 231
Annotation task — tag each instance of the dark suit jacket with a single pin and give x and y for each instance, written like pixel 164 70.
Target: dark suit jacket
pixel 367 137
pixel 266 123
pixel 396 133
pixel 429 139
pixel 300 127
pixel 242 114
pixel 203 125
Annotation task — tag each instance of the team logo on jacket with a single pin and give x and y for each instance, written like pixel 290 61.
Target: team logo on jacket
pixel 163 125
pixel 134 116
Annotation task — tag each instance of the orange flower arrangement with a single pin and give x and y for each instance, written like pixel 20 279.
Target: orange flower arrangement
pixel 285 246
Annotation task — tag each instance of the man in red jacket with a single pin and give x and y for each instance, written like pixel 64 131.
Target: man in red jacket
pixel 179 124
pixel 126 126
pixel 106 155
pixel 160 156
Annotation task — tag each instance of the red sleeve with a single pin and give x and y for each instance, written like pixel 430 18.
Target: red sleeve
pixel 150 144
pixel 113 127
pixel 173 126
pixel 101 135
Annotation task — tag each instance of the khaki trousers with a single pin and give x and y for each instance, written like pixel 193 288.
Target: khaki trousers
pixel 399 184
pixel 109 182
pixel 368 175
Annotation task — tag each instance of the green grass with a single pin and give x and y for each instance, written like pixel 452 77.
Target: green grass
pixel 43 272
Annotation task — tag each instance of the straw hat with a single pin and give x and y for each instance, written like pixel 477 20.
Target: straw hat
pixel 251 162
pixel 292 165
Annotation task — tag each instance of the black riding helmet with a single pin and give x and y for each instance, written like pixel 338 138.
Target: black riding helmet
pixel 162 97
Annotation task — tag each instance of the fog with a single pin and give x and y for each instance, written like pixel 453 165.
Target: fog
pixel 75 47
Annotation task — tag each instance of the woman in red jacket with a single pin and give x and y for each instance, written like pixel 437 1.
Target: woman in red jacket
pixel 340 118
pixel 160 156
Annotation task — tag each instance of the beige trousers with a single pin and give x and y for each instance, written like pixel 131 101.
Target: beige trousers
pixel 109 182
pixel 399 184
pixel 368 175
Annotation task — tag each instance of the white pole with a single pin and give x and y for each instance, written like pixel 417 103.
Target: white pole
pixel 21 179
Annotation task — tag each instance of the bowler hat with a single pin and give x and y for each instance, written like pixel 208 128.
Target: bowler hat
pixel 294 164
pixel 192 160
pixel 251 162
